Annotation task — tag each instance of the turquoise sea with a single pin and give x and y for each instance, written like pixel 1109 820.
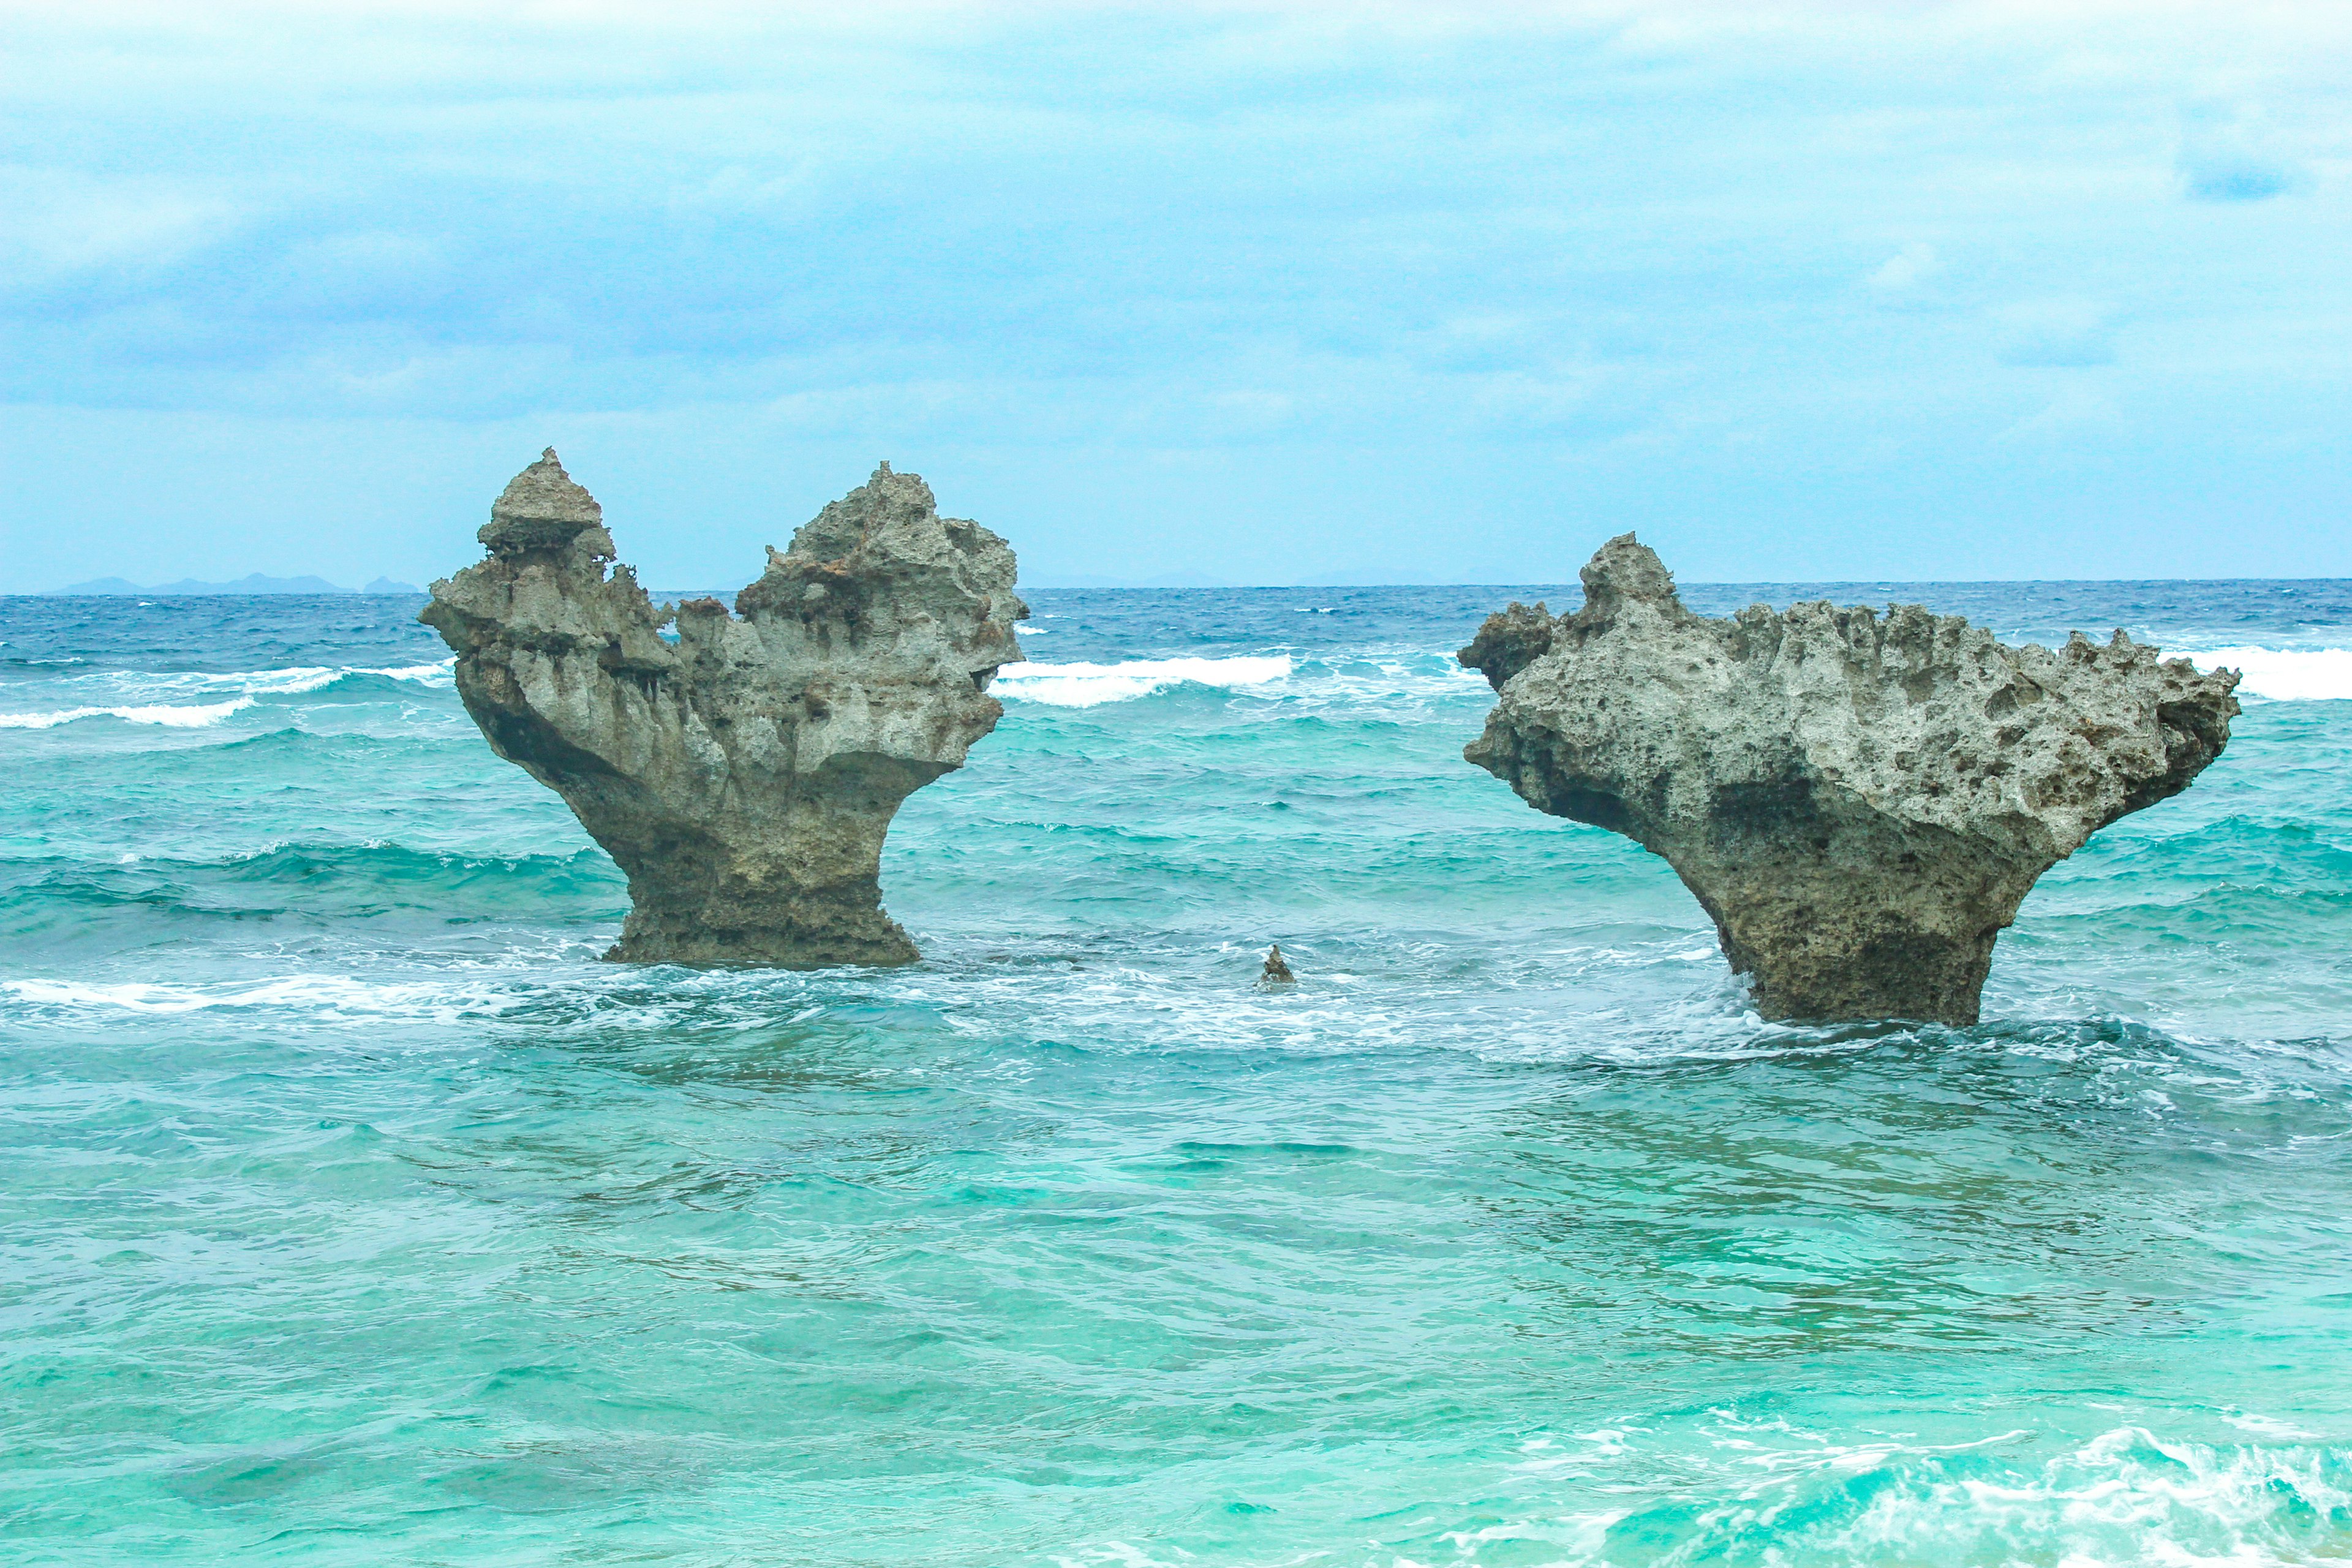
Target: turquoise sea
pixel 355 1214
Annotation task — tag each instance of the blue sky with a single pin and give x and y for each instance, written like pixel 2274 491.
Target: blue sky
pixel 1262 293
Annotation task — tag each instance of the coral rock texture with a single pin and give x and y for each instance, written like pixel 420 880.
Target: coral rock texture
pixel 744 775
pixel 1860 802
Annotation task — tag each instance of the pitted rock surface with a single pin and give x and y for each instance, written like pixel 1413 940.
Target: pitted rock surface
pixel 1860 802
pixel 743 776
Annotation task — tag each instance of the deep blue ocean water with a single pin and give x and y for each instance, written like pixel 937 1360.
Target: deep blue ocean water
pixel 355 1214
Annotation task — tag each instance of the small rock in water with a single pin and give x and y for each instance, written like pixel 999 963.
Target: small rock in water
pixel 1277 971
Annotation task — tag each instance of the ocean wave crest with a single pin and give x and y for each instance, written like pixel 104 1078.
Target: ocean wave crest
pixel 176 715
pixel 159 697
pixel 313 677
pixel 1083 685
pixel 292 681
pixel 1374 680
pixel 326 994
pixel 2281 675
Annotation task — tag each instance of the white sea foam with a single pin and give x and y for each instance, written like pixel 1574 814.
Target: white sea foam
pixel 1086 685
pixel 2127 1496
pixel 2277 675
pixel 177 715
pixel 317 996
pixel 1369 680
pixel 2281 675
pixel 443 672
pixel 296 679
pixel 516 980
pixel 148 697
pixel 144 997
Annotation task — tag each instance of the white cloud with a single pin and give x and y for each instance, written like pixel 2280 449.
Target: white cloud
pixel 1906 269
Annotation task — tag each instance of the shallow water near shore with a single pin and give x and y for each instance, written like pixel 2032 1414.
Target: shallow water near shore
pixel 355 1214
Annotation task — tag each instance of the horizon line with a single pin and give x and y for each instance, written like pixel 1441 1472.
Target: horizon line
pixel 227 591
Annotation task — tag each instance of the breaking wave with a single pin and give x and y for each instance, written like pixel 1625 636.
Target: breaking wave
pixel 2276 675
pixel 325 995
pixel 2282 675
pixel 177 715
pixel 292 681
pixel 1086 685
pixel 147 696
pixel 313 677
pixel 1376 681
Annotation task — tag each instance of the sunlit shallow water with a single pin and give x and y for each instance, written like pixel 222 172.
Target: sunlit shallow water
pixel 355 1215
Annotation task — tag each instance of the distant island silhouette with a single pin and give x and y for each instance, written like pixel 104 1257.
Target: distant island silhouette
pixel 253 582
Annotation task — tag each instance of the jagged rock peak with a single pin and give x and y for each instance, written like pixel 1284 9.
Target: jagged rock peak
pixel 1860 803
pixel 886 533
pixel 543 509
pixel 743 776
pixel 1624 568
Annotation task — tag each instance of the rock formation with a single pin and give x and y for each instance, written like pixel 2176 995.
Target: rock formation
pixel 1277 971
pixel 743 775
pixel 1860 803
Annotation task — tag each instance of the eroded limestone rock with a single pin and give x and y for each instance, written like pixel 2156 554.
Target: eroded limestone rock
pixel 742 776
pixel 1860 802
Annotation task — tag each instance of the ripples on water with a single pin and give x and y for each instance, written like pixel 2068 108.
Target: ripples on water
pixel 355 1215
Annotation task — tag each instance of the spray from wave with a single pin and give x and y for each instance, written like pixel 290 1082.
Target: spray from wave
pixel 1086 685
pixel 2282 675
